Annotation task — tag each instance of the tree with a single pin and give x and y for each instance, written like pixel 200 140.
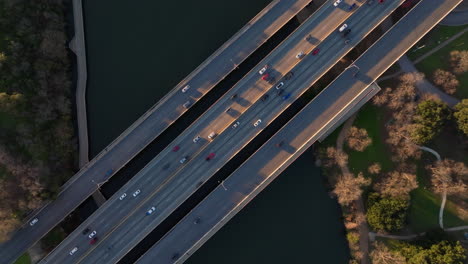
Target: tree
pixel 450 176
pixel 381 254
pixel 348 188
pixel 334 156
pixel 387 214
pixel 375 168
pixel 430 117
pixel 397 185
pixel 461 115
pixel 358 139
pixel 459 61
pixel 446 80
pixel 443 252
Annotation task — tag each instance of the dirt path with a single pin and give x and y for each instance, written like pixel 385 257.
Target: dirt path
pixel 362 228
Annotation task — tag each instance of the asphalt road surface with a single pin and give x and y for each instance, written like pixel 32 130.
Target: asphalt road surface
pixel 168 193
pixel 152 123
pixel 269 161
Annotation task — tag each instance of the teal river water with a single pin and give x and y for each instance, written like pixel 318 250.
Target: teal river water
pixel 137 51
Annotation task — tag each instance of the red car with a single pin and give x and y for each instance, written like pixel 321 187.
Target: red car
pixel 93 241
pixel 265 76
pixel 176 148
pixel 209 157
pixel 381 1
pixel 315 51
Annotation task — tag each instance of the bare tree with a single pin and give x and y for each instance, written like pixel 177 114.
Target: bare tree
pixel 449 175
pixel 381 254
pixel 358 139
pixel 397 184
pixel 459 61
pixel 375 168
pixel 335 157
pixel 446 80
pixel 348 188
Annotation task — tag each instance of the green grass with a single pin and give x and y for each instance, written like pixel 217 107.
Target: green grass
pixel 53 238
pixel 7 122
pixel 370 118
pixel 424 208
pixel 24 259
pixel 440 60
pixel 432 39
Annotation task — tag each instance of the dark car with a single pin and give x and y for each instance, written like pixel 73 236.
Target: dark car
pixel 264 97
pixel 315 52
pixel 175 256
pixel 86 231
pixel 351 7
pixel 266 76
pixel 109 172
pixel 209 157
pixel 279 144
pixel 280 92
pixel 289 75
pixel 165 167
pixel 175 149
pixel 287 96
pixel 346 32
pixel 234 96
pixel 93 241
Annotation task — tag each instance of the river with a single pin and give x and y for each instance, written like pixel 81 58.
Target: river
pixel 137 51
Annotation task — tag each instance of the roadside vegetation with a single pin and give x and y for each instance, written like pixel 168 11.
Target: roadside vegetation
pixel 401 185
pixel 37 149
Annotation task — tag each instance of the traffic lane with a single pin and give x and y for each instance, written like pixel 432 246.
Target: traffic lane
pixel 123 240
pixel 340 82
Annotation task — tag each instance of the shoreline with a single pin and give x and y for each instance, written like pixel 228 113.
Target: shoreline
pixel 77 45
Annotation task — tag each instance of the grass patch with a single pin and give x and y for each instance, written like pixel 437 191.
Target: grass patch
pixel 7 122
pixel 24 259
pixel 440 60
pixel 436 36
pixel 370 118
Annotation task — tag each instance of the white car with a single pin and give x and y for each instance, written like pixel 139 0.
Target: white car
pixel 300 55
pixel 212 135
pixel 75 249
pixel 92 234
pixel 343 27
pixel 196 139
pixel 123 196
pixel 34 221
pixel 137 192
pixel 150 211
pixel 257 123
pixel 337 2
pixel 183 160
pixel 236 124
pixel 186 88
pixel 279 85
pixel 263 70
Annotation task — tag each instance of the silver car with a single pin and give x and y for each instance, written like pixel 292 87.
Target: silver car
pixel 92 234
pixel 257 123
pixel 186 88
pixel 122 196
pixel 75 249
pixel 196 139
pixel 34 221
pixel 137 192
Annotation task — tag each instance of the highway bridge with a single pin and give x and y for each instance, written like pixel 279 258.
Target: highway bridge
pixel 344 95
pixel 153 123
pixel 165 183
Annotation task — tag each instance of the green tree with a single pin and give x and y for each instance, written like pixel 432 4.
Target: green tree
pixel 429 120
pixel 443 252
pixel 387 214
pixel 461 115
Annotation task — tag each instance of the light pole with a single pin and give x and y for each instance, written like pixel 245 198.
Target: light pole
pixel 222 184
pixel 98 184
